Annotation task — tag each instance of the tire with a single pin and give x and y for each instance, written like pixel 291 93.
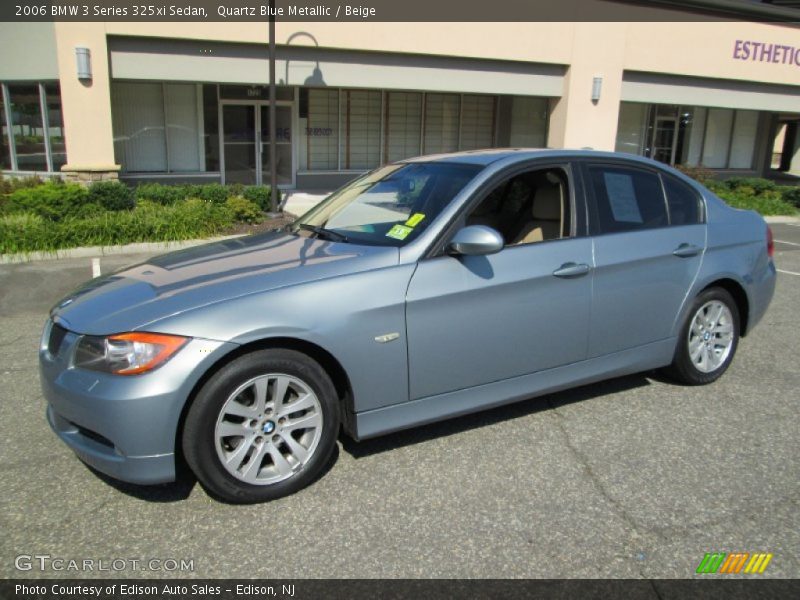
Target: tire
pixel 708 339
pixel 263 427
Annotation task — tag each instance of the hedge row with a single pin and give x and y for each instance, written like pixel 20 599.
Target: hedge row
pixel 147 222
pixel 55 200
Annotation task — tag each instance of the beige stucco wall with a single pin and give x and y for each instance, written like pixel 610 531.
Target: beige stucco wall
pixel 706 50
pixel 585 49
pixel 86 107
pixel 576 121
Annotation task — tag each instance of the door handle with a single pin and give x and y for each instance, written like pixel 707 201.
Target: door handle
pixel 571 269
pixel 686 250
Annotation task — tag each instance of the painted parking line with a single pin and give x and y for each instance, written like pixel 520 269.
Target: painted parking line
pixel 788 272
pixel 789 243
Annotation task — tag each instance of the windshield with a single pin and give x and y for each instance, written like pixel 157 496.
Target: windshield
pixel 389 206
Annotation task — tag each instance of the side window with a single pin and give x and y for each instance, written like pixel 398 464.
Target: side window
pixel 684 203
pixel 627 199
pixel 527 208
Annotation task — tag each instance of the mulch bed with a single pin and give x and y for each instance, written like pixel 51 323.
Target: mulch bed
pixel 253 228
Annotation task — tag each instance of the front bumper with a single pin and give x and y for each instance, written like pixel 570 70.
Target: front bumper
pixel 103 456
pixel 123 426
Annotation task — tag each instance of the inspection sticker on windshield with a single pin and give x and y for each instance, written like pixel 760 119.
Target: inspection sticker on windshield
pixel 399 232
pixel 415 220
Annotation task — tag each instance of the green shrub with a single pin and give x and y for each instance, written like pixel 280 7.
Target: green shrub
pixel 170 194
pixel 260 194
pixel 50 200
pixel 757 184
pixel 160 193
pixel 12 184
pixel 212 192
pixel 716 186
pixel 148 222
pixel 244 210
pixel 766 204
pixel 112 195
pixel 700 173
pixel 791 194
pixel 91 209
pixel 17 231
pixel 236 189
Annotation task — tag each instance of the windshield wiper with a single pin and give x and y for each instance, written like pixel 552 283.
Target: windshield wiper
pixel 334 236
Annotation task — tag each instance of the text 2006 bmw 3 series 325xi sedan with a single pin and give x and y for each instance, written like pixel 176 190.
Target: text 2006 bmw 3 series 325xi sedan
pixel 427 288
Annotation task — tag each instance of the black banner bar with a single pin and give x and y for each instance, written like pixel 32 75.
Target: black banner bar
pixel 392 10
pixel 401 589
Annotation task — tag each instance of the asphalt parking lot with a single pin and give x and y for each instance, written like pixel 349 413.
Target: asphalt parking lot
pixel 634 477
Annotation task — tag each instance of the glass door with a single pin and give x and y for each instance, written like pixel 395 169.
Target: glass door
pixel 283 142
pixel 664 139
pixel 239 143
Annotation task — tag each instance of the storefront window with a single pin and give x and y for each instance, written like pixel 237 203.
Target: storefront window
pixel 28 127
pixel 477 122
pixel 441 123
pixel 743 143
pixel 693 138
pixel 140 143
pixel 403 125
pixel 528 123
pixel 361 127
pixel 632 128
pixel 322 130
pixel 55 125
pixel 5 151
pixel 157 127
pixel 718 135
pixel 211 127
pixel 716 138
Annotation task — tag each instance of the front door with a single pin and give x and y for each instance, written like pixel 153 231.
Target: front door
pixel 474 320
pixel 239 143
pixel 245 135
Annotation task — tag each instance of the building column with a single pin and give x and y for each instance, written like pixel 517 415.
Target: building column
pixel 576 121
pixel 86 105
pixel 794 161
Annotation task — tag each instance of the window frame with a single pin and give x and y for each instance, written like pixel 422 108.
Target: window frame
pixel 578 218
pixel 701 205
pixel 592 202
pixel 44 112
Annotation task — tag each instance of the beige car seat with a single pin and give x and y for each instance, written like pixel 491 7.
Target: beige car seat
pixel 547 213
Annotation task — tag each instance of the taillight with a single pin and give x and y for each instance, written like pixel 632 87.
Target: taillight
pixel 770 242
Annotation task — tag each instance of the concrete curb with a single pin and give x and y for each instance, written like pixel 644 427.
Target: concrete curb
pixel 782 219
pixel 99 251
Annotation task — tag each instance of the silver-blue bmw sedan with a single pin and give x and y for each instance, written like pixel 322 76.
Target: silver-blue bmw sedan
pixel 425 289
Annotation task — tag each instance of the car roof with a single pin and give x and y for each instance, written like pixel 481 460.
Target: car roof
pixel 489 156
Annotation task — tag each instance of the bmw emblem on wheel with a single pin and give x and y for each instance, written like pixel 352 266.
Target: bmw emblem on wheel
pixel 269 427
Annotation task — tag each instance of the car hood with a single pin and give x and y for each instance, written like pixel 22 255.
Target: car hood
pixel 174 283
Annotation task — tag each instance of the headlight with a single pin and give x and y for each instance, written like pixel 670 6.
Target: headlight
pixel 126 353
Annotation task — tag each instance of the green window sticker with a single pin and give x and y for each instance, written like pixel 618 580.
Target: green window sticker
pixel 399 232
pixel 415 220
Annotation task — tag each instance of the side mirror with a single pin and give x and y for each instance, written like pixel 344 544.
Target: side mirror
pixel 476 240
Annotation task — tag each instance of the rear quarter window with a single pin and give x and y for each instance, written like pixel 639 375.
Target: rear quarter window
pixel 627 199
pixel 685 204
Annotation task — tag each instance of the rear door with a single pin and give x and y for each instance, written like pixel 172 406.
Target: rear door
pixel 646 255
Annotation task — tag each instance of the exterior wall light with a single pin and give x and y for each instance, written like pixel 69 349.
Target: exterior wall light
pixel 83 58
pixel 597 85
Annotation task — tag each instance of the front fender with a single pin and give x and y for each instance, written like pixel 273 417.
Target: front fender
pixel 343 315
